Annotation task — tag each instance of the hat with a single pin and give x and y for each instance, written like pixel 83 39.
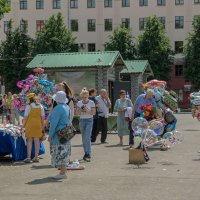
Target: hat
pixel 31 95
pixel 60 97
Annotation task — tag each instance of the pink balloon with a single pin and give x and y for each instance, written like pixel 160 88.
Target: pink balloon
pixel 38 70
pixel 20 84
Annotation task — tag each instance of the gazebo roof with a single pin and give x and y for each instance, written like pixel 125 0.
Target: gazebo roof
pixel 137 66
pixel 77 60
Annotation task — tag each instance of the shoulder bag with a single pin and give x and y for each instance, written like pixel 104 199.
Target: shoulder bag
pixel 67 133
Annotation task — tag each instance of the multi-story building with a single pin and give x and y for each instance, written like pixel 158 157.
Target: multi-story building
pixel 92 21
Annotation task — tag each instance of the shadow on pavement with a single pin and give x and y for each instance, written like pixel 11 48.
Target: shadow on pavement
pixel 43 181
pixel 41 167
pixel 117 145
pixel 191 130
pixel 196 159
pixel 78 145
pixel 153 148
pixel 142 166
pixel 10 162
pixel 167 163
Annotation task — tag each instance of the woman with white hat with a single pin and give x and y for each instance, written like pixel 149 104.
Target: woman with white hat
pixel 58 119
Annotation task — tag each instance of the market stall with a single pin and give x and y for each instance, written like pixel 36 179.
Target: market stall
pixel 13 142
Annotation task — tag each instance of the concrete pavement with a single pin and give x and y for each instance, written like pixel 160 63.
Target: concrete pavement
pixel 169 175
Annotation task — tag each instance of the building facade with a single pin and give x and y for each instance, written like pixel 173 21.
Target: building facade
pixel 92 21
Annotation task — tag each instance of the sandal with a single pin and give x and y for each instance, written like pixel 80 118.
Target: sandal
pixel 27 160
pixel 35 160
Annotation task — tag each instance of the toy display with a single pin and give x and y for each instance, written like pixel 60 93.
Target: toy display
pixel 38 84
pixel 164 99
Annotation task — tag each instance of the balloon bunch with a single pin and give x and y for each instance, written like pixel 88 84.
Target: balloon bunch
pixel 195 102
pixel 166 103
pixel 38 84
pixel 153 133
pixel 163 98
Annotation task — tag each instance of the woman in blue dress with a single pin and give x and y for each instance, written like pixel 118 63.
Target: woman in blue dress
pixel 121 106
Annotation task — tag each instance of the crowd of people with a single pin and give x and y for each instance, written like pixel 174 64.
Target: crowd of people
pixel 93 110
pixel 7 111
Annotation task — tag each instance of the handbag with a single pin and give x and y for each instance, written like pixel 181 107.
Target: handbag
pixel 65 134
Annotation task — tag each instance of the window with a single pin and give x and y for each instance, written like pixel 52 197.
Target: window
pixel 196 1
pixel 9 2
pixel 6 26
pixel 74 25
pixel 179 2
pixel 143 2
pixel 56 4
pixel 39 4
pixel 125 22
pixel 91 24
pixel 107 3
pixel 160 2
pixel 23 4
pixel 91 3
pixel 108 24
pixel 91 47
pixel 125 3
pixel 75 48
pixel 178 46
pixel 162 20
pixel 178 70
pixel 73 3
pixel 24 26
pixel 142 23
pixel 39 25
pixel 179 22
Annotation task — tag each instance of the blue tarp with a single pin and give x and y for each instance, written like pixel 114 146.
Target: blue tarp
pixel 17 148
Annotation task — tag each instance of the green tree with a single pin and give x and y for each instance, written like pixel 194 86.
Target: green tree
pixel 192 54
pixel 4 7
pixel 154 46
pixel 121 41
pixel 55 37
pixel 15 53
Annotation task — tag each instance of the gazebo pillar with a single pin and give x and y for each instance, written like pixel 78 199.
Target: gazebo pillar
pixel 118 69
pixel 145 76
pixel 136 80
pixel 101 79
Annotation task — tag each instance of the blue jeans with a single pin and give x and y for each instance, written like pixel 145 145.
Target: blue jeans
pixel 86 130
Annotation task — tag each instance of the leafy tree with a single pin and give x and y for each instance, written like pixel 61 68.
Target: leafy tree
pixel 121 41
pixel 192 54
pixel 154 46
pixel 4 7
pixel 15 53
pixel 55 37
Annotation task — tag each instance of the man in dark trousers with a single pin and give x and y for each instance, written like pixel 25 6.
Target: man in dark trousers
pixel 103 109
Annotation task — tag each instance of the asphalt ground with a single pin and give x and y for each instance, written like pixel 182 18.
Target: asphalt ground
pixel 169 175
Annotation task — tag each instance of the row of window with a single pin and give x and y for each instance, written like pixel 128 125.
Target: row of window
pixel 108 24
pixel 125 22
pixel 56 4
pixel 178 45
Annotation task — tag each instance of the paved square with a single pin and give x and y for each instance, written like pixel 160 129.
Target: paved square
pixel 169 175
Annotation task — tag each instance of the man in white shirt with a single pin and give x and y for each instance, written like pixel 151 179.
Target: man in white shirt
pixel 103 109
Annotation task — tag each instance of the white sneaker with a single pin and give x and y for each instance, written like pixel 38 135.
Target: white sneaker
pixel 60 176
